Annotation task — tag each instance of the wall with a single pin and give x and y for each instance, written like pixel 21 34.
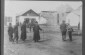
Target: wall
pixel 12 20
pixel 50 17
pixel 21 18
pixel 62 16
pixel 73 19
pixel 81 18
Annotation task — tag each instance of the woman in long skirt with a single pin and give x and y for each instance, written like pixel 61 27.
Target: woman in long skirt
pixel 23 31
pixel 36 29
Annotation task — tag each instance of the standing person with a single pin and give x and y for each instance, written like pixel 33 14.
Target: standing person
pixel 70 30
pixel 36 29
pixel 16 32
pixel 30 26
pixel 63 28
pixel 23 31
pixel 10 32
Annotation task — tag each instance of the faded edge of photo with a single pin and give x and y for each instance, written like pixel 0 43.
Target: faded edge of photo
pixel 2 27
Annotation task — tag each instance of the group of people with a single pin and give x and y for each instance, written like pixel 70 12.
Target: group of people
pixel 15 37
pixel 11 31
pixel 66 29
pixel 36 34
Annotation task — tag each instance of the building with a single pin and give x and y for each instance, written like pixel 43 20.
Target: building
pixel 75 17
pixel 72 19
pixel 30 14
pixel 78 12
pixel 50 16
pixel 7 20
pixel 63 11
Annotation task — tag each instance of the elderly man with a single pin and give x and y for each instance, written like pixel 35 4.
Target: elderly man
pixel 63 28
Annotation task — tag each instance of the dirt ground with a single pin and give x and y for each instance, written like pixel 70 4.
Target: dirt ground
pixel 50 44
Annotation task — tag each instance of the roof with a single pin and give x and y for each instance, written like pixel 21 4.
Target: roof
pixel 30 13
pixel 49 11
pixel 78 10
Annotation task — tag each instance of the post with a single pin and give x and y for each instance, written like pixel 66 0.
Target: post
pixel 58 19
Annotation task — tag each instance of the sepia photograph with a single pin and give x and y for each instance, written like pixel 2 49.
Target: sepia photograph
pixel 43 27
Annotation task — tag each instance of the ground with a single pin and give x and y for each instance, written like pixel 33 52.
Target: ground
pixel 50 44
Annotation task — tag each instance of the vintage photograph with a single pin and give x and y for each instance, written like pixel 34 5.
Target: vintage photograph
pixel 43 27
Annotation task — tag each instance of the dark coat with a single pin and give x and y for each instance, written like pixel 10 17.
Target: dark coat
pixel 10 33
pixel 10 30
pixel 36 32
pixel 63 27
pixel 16 30
pixel 23 32
pixel 70 29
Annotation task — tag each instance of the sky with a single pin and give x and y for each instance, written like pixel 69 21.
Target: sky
pixel 13 8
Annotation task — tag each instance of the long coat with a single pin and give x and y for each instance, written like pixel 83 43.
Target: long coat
pixel 16 32
pixel 23 32
pixel 10 32
pixel 63 27
pixel 36 32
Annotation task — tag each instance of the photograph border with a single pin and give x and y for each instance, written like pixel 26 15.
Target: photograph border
pixel 2 22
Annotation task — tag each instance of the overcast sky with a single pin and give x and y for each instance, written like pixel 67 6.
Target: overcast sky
pixel 13 8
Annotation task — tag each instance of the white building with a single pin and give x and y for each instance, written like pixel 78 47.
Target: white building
pixel 75 17
pixel 50 16
pixel 63 11
pixel 9 19
pixel 72 19
pixel 30 14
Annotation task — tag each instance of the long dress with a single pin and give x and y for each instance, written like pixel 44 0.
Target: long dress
pixel 16 33
pixel 23 32
pixel 36 33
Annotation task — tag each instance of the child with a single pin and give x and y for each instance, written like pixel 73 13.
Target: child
pixel 70 30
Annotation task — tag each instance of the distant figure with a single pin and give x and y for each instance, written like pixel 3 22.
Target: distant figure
pixel 63 28
pixel 70 30
pixel 10 32
pixel 32 23
pixel 23 31
pixel 16 32
pixel 36 29
pixel 30 27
